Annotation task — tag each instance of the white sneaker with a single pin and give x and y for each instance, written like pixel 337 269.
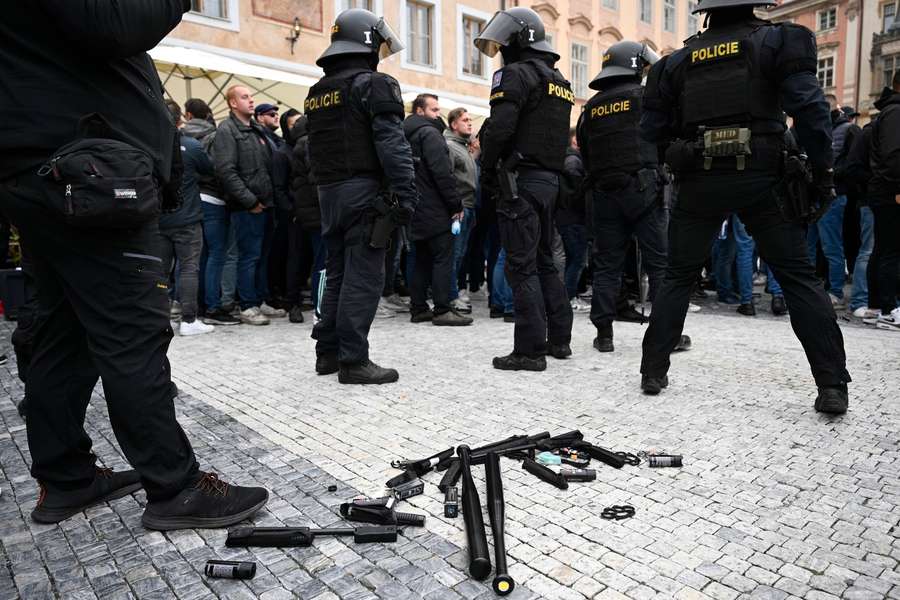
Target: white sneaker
pixel 836 302
pixel 760 279
pixel 253 316
pixel 275 313
pixel 864 312
pixel 463 296
pixel 395 303
pixel 383 312
pixel 579 305
pixel 195 327
pixel 890 322
pixel 459 306
pixel 693 307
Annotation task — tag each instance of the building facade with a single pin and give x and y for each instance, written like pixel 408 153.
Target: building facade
pixel 223 42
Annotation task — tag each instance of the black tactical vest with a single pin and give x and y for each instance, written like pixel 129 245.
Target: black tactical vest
pixel 543 132
pixel 723 83
pixel 340 131
pixel 612 122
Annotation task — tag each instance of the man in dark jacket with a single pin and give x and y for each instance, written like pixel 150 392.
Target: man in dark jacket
pixel 60 61
pixel 181 234
pixel 243 159
pixel 439 205
pixel 305 229
pixel 884 198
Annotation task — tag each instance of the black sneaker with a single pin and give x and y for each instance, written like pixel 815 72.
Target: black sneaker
pixel 684 343
pixel 221 317
pixel 55 505
pixel 779 306
pixel 832 400
pixel 653 385
pixel 630 315
pixel 559 351
pixel 207 504
pixel 451 318
pixel 367 372
pixel 422 316
pixel 520 362
pixel 604 344
pixel 747 310
pixel 509 317
pixel 496 313
pixel 326 364
pixel 296 314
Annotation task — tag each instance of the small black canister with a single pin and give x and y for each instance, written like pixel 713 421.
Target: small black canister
pixel 230 569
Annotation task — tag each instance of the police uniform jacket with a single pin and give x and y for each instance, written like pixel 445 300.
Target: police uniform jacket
pixel 530 107
pixel 355 128
pixel 742 73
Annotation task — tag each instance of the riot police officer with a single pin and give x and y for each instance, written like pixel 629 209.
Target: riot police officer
pixel 358 155
pixel 627 184
pixel 528 134
pixel 718 103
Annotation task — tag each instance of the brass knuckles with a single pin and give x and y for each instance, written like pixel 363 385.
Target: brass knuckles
pixel 629 458
pixel 617 512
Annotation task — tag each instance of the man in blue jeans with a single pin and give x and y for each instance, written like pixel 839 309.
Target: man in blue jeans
pixel 242 158
pixel 465 172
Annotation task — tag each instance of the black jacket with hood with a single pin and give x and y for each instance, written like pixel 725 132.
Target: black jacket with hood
pixel 304 194
pixel 438 199
pixel 884 150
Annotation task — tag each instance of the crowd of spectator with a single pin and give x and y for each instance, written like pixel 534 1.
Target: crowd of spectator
pixel 246 245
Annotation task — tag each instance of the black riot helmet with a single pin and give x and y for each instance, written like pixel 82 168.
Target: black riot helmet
pixel 625 60
pixel 359 31
pixel 707 5
pixel 516 28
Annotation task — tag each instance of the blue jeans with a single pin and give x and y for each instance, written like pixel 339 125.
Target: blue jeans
pixel 460 246
pixel 501 296
pixel 215 240
pixel 229 268
pixel 744 245
pixel 574 238
pixel 830 231
pixel 249 232
pixel 859 294
pixel 262 268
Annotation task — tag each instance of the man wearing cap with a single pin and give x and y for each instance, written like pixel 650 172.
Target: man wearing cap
pixel 361 162
pixel 267 115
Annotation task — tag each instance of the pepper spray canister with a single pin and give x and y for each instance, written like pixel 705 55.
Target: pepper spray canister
pixel 230 569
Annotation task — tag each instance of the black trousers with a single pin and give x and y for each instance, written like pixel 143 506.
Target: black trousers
pixel 354 271
pixel 702 205
pixel 296 272
pixel 103 311
pixel 434 267
pixel 543 312
pixel 887 248
pixel 617 216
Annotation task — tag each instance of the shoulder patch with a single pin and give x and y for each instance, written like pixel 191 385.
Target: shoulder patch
pixel 498 77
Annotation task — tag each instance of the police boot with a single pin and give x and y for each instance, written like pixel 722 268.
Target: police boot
pixel 604 340
pixel 559 351
pixel 779 307
pixel 367 372
pixel 684 343
pixel 520 362
pixel 326 364
pixel 832 399
pixel 653 385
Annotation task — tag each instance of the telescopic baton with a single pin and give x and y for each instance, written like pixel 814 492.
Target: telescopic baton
pixel 503 584
pixel 479 560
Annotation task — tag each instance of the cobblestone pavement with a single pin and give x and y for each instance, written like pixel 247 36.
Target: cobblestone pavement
pixel 774 500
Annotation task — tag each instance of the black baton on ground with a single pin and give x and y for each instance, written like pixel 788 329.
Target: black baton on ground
pixel 503 584
pixel 479 560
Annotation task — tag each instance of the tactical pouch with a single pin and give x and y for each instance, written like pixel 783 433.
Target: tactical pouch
pixel 721 142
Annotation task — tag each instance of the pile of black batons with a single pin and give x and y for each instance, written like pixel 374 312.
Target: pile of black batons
pixel 568 449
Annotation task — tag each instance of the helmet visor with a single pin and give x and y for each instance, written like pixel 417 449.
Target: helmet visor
pixel 497 33
pixel 650 57
pixel 390 43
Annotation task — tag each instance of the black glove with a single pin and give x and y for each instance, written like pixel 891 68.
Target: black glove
pixel 823 192
pixel 400 215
